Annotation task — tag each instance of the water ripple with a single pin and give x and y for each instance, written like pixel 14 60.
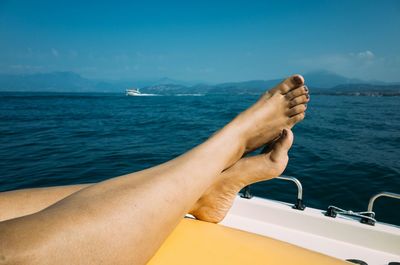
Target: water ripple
pixel 346 149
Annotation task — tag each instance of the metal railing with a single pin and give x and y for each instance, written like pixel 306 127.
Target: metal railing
pixel 381 194
pixel 298 205
pixel 367 217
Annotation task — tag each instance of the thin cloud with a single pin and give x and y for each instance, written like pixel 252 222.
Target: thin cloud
pixel 361 64
pixel 365 55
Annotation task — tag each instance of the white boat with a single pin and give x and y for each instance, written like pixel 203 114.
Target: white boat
pixel 136 92
pixel 343 234
pixel 133 92
pixel 259 231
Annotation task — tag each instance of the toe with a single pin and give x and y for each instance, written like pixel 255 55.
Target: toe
pixel 299 100
pixel 296 118
pixel 282 146
pixel 291 83
pixel 303 90
pixel 298 79
pixel 297 110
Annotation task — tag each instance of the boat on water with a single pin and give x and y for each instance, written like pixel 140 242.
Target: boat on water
pixel 264 231
pixel 136 92
pixel 133 92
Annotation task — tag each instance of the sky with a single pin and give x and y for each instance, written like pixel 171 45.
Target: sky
pixel 208 41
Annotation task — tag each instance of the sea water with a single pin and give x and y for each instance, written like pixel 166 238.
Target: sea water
pixel 345 151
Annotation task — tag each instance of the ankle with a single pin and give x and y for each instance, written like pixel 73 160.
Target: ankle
pixel 236 137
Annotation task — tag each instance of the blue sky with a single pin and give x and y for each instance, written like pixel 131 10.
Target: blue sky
pixel 212 41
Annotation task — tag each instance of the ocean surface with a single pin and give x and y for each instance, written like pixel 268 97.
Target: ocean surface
pixel 346 150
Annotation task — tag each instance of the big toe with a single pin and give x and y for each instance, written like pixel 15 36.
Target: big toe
pixel 282 146
pixel 290 83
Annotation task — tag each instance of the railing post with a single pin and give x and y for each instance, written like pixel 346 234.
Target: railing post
pixel 246 193
pixel 381 194
pixel 298 205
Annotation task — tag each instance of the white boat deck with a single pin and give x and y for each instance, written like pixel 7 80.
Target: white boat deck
pixel 340 237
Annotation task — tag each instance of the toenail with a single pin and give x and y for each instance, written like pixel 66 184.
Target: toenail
pixel 297 79
pixel 307 96
pixel 306 88
pixel 284 132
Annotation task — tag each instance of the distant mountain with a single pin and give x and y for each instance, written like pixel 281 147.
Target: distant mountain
pixel 260 86
pixel 364 90
pixel 167 81
pixel 166 89
pixel 57 82
pixel 326 79
pixel 321 82
pixel 246 87
pixel 72 82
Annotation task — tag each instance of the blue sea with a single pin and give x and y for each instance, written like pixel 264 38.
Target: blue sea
pixel 346 150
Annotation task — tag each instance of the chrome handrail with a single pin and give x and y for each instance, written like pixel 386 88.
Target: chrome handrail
pixel 298 184
pixel 299 205
pixel 299 202
pixel 381 194
pixel 367 217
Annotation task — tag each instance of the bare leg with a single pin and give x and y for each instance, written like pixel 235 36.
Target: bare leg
pixel 19 203
pixel 138 211
pixel 217 200
pixel 212 206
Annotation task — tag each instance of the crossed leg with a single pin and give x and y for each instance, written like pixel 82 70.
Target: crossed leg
pixel 138 211
pixel 212 205
pixel 18 203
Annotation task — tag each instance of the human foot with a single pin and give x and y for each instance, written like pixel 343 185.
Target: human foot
pixel 281 107
pixel 217 200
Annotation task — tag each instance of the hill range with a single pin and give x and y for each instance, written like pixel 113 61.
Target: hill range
pixel 321 82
